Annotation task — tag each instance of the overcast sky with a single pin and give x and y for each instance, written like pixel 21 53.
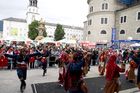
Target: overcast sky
pixel 68 12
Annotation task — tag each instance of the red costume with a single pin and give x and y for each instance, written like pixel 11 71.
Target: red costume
pixel 102 60
pixel 3 61
pixel 112 74
pixel 61 75
pixel 32 59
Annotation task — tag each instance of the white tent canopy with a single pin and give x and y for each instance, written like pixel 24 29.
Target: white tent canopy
pixel 67 41
pixel 135 45
pixel 46 40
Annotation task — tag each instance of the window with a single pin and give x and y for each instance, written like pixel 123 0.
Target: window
pixel 138 30
pixel 103 32
pixel 138 15
pixel 122 32
pixel 104 6
pixel 33 17
pixel 91 9
pixel 103 20
pixel 123 19
pixel 30 3
pixel 90 22
pixel 89 32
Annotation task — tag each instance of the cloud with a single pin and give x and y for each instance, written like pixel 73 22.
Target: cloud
pixel 69 12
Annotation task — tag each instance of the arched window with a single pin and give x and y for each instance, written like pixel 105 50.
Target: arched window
pixel 138 30
pixel 122 32
pixel 89 32
pixel 103 32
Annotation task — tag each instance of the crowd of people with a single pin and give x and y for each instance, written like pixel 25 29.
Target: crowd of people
pixel 74 64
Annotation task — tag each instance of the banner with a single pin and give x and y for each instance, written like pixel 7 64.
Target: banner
pixel 127 2
pixel 113 38
pixel 14 32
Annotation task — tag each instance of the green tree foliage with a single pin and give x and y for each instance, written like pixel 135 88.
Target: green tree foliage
pixel 45 33
pixel 33 30
pixel 59 33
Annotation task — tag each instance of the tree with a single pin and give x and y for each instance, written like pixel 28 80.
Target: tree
pixel 45 34
pixel 33 30
pixel 59 33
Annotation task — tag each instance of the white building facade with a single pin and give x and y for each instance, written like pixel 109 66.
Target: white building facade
pixel 128 23
pixel 17 29
pixel 104 17
pixel 71 32
pixel 14 29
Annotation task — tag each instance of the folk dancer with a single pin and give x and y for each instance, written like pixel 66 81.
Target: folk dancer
pixel 102 62
pixel 130 73
pixel 87 60
pixel 74 82
pixel 112 74
pixel 22 61
pixel 136 59
pixel 63 60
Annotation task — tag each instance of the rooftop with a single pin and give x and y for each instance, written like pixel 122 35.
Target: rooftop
pixel 65 26
pixel 15 19
pixel 47 23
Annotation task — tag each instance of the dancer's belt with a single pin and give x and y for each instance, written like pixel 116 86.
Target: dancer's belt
pixel 21 65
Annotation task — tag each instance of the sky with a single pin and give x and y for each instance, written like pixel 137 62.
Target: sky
pixel 67 12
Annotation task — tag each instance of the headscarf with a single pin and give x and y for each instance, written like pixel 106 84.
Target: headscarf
pixel 102 57
pixel 111 66
pixel 77 56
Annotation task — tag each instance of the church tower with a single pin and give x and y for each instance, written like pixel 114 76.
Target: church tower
pixel 32 11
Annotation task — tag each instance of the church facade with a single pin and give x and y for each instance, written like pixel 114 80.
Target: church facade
pixel 17 29
pixel 112 20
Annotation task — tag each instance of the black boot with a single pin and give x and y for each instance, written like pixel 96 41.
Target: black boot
pixel 44 72
pixel 22 86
